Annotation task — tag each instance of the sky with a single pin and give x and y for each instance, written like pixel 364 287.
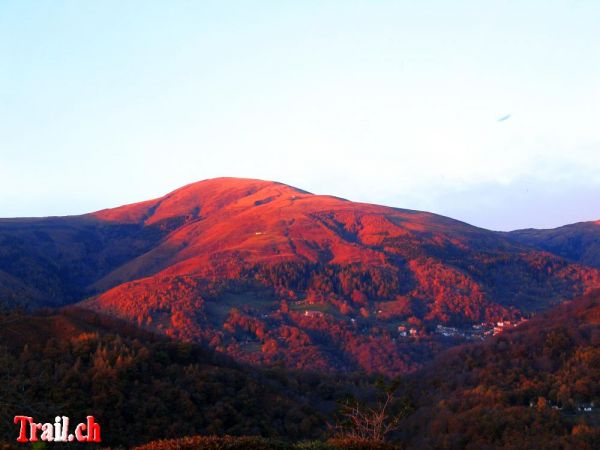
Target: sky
pixel 104 103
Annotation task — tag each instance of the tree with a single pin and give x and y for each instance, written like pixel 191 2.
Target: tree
pixel 361 422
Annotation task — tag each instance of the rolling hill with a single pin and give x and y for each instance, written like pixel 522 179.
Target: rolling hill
pixel 54 261
pixel 268 273
pixel 140 386
pixel 532 387
pixel 579 242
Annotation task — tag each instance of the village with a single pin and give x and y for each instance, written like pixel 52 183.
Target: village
pixel 479 331
pixel 407 329
pixel 470 332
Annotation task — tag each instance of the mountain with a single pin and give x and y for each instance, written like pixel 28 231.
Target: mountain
pixel 268 273
pixel 579 242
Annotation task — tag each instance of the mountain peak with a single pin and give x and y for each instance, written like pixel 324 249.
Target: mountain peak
pixel 200 198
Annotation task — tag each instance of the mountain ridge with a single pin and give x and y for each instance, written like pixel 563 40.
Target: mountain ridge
pixel 270 273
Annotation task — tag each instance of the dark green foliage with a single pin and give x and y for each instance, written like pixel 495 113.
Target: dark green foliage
pixel 257 443
pixel 141 388
pixel 524 389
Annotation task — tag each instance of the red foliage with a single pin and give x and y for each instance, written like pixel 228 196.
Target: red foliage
pixel 367 267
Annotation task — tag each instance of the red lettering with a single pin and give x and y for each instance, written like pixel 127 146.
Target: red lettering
pixel 93 430
pixel 24 421
pixel 79 432
pixel 33 430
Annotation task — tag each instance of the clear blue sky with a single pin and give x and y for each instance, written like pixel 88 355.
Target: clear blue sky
pixel 396 102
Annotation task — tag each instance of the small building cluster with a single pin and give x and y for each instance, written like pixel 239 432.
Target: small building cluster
pixel 406 331
pixel 503 325
pixel 472 332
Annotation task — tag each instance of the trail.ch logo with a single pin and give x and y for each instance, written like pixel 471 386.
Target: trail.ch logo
pixel 58 431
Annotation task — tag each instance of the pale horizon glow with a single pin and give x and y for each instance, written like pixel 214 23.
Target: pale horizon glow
pixel 393 102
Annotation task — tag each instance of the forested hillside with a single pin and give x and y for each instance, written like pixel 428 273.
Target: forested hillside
pixel 270 274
